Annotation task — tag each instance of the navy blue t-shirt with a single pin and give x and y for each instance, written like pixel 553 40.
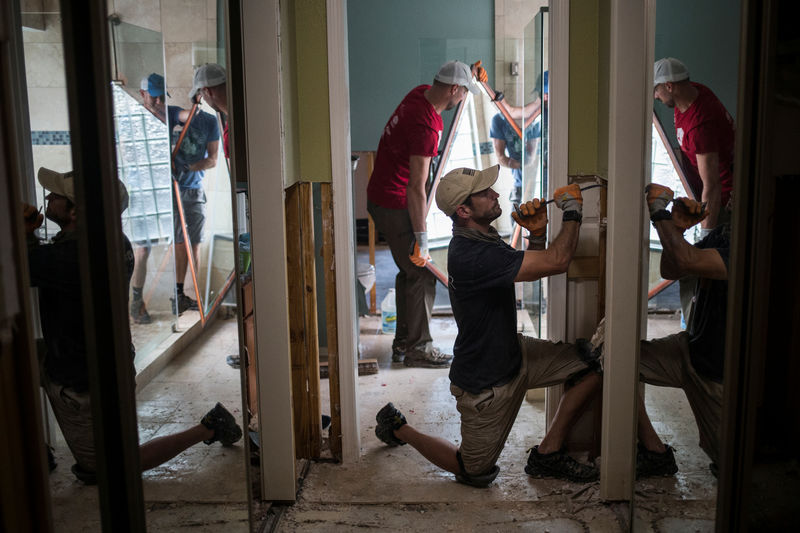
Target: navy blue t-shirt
pixel 203 129
pixel 707 323
pixel 481 285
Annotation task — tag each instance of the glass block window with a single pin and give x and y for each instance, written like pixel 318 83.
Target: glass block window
pixel 143 165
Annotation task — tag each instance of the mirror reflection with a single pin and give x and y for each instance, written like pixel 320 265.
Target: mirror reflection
pixel 185 343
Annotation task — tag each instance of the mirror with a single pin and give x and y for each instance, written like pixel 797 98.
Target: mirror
pixel 143 166
pixel 534 156
pixel 181 369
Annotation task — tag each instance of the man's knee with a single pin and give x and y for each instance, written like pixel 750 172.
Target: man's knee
pixel 479 474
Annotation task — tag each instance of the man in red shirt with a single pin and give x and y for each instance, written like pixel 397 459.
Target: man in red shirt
pixel 396 199
pixel 705 133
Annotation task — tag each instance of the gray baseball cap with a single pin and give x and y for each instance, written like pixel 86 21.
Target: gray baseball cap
pixel 457 73
pixel 208 75
pixel 669 69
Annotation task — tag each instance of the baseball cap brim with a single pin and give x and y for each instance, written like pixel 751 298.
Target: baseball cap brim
pixel 56 182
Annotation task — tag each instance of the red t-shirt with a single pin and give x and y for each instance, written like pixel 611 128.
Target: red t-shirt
pixel 704 128
pixel 413 129
pixel 225 145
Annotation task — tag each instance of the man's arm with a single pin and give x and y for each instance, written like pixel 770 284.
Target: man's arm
pixel 415 192
pixel 555 259
pixel 502 158
pixel 708 168
pixel 210 161
pixel 519 113
pixel 680 259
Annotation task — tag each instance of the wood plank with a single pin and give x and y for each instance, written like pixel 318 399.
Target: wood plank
pixel 303 320
pixel 331 319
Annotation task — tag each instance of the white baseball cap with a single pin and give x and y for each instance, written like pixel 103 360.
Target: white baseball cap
pixel 457 73
pixel 458 184
pixel 63 184
pixel 669 69
pixel 208 75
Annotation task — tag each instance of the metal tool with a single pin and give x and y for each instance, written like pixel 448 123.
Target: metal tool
pixel 520 215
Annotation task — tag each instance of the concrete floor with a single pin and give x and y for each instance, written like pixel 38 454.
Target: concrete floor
pixel 396 489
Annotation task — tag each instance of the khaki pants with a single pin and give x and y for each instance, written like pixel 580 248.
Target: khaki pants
pixel 415 287
pixel 487 417
pixel 665 363
pixel 73 412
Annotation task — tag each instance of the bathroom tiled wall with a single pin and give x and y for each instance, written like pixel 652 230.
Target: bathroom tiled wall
pixel 189 28
pixel 511 17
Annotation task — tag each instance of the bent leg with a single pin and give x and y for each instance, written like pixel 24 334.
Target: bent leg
pixel 437 450
pixel 161 449
pixel 570 406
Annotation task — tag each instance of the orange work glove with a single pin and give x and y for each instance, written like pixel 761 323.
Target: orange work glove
pixel 32 217
pixel 687 212
pixel 534 217
pixel 419 250
pixel 658 197
pixel 480 72
pixel 569 198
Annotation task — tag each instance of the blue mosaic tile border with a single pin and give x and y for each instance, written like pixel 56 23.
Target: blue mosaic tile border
pixel 58 138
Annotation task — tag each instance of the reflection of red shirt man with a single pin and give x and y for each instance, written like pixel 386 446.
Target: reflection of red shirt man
pixel 210 83
pixel 705 133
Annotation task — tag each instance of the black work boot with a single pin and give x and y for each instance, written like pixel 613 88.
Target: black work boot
pixel 224 426
pixel 651 464
pixel 559 465
pixel 389 419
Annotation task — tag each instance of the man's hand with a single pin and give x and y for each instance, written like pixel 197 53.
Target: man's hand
pixel 32 217
pixel 480 72
pixel 534 217
pixel 419 251
pixel 687 212
pixel 569 198
pixel 658 197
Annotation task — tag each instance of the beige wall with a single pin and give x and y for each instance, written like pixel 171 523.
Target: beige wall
pixel 510 19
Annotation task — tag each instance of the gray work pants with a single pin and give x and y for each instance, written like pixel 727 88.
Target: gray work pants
pixel 415 287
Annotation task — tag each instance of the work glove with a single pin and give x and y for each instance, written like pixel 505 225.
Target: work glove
pixel 570 201
pixel 480 72
pixel 658 197
pixel 419 251
pixel 32 217
pixel 532 216
pixel 687 212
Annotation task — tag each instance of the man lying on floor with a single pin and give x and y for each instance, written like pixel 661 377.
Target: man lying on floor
pixel 55 270
pixel 493 366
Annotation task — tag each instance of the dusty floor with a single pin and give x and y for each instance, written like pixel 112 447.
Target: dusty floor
pixel 396 489
pixel 390 488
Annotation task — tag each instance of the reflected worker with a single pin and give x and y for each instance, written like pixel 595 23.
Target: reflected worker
pixel 705 133
pixel 508 144
pixel 55 270
pixel 396 200
pixel 199 145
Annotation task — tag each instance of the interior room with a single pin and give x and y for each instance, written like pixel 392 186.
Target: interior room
pixel 232 315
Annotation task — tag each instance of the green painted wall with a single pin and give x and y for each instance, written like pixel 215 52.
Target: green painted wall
pixel 291 147
pixel 304 75
pixel 705 36
pixel 396 45
pixel 586 117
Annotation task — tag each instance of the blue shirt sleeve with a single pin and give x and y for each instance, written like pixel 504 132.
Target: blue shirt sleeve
pixel 497 131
